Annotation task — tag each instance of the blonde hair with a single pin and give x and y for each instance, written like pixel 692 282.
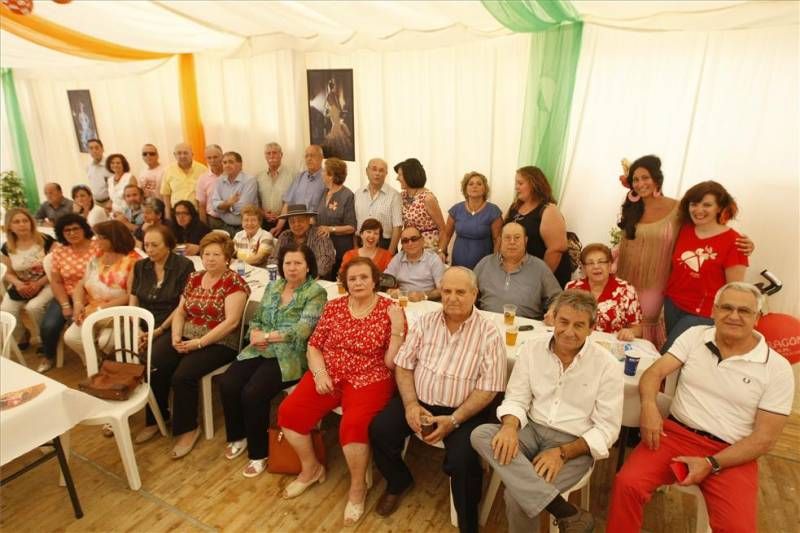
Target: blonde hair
pixel 468 176
pixel 11 237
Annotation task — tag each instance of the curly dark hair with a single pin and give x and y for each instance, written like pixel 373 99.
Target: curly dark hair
pixel 632 211
pixel 126 167
pixel 307 252
pixel 69 219
pixel 727 205
pixel 413 172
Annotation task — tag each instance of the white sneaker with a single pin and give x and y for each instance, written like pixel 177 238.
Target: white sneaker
pixel 45 364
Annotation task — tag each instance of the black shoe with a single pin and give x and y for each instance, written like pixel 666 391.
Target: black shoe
pixel 581 522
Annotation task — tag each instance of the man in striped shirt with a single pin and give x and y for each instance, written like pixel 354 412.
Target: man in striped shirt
pixel 449 371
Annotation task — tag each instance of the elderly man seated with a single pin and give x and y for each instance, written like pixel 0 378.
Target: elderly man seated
pixel 732 401
pixel 515 277
pixel 562 410
pixel 302 232
pixel 55 205
pixel 418 270
pixel 448 371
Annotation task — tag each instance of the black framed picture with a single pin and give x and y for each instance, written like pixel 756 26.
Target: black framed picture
pixel 331 112
pixel 80 105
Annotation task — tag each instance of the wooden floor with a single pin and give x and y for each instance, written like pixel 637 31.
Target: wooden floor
pixel 206 492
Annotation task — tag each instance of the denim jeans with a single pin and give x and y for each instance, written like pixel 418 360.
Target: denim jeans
pixel 50 328
pixel 677 321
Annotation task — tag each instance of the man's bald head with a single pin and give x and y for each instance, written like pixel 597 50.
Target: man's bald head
pixel 183 155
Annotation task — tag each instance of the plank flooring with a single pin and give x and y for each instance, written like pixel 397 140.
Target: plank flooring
pixel 205 492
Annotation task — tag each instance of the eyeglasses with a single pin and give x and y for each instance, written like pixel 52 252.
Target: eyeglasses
pixel 71 229
pixel 744 312
pixel 406 240
pixel 595 263
pixel 145 154
pixel 182 213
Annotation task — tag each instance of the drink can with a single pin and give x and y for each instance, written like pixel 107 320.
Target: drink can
pixel 631 363
pixel 272 270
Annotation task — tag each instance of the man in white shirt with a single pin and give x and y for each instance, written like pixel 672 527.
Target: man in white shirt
pixel 562 410
pixel 97 174
pixel 379 201
pixel 273 182
pixel 733 398
pixel 149 179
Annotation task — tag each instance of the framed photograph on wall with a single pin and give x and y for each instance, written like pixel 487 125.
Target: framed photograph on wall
pixel 331 112
pixel 80 105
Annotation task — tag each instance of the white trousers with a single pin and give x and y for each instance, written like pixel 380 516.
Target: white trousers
pixel 34 307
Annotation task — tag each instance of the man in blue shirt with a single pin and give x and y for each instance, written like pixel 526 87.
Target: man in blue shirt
pixel 233 191
pixel 307 187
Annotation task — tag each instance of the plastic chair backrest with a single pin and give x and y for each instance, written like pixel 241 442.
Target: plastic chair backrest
pixel 47 264
pixel 632 405
pixel 7 324
pixel 126 326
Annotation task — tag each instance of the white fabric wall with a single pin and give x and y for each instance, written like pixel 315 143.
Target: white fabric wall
pixel 132 105
pixel 716 105
pixel 455 108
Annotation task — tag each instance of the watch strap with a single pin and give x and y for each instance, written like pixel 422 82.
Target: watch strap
pixel 715 468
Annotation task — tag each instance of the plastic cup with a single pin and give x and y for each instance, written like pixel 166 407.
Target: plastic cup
pixel 402 298
pixel 509 314
pixel 340 287
pixel 511 335
pixel 427 426
pixel 631 364
pixel 180 249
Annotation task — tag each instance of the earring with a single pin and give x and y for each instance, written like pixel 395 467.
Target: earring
pixel 633 197
pixel 656 193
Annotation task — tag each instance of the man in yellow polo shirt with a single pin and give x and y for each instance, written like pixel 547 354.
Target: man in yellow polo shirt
pixel 180 178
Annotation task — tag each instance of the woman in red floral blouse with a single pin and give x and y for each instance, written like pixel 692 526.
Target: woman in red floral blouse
pixel 350 361
pixel 618 309
pixel 205 336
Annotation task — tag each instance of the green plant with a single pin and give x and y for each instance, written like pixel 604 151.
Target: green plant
pixel 616 235
pixel 11 190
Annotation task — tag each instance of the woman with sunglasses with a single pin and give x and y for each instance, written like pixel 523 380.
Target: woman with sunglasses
pixel 618 309
pixel 158 281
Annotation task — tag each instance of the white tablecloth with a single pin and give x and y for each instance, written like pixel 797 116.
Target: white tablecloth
pixel 53 412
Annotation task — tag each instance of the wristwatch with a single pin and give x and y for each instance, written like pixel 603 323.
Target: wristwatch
pixel 562 453
pixel 715 468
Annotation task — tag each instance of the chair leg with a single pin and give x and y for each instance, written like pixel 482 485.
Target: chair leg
pixel 453 514
pixel 368 479
pixel 122 434
pixel 208 408
pixel 702 516
pixel 489 497
pixel 60 352
pixel 585 493
pixel 17 352
pixel 405 447
pixel 151 401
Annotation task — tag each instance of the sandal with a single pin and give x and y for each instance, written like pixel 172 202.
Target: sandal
pixel 146 434
pixel 254 467
pixel 182 451
pixel 353 512
pixel 235 449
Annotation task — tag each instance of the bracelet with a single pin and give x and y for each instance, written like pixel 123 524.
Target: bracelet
pixel 66 305
pixel 320 372
pixel 562 453
pixel 199 344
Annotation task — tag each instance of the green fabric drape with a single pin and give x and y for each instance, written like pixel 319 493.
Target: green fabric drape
pixel 555 49
pixel 19 140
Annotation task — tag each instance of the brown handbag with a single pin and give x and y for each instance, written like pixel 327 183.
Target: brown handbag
pixel 115 381
pixel 282 457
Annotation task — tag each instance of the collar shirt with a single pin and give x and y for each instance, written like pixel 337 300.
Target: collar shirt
pixel 272 188
pixel 134 216
pixel 722 397
pixel 224 189
pixel 584 399
pixel 116 191
pixel 205 190
pixel 424 274
pixel 321 245
pixel 97 175
pixel 386 207
pixel 306 189
pixel 149 180
pixel 180 184
pixel 530 287
pixel 47 211
pixel 449 366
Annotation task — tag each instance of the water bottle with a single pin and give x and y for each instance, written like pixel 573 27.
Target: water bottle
pixel 240 267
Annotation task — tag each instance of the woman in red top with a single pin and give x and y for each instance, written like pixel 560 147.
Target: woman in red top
pixel 205 336
pixel 618 309
pixel 371 232
pixel 704 259
pixel 350 361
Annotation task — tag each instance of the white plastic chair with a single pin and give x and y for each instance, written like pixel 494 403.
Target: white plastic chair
pixel 3 269
pixel 9 345
pixel 453 514
pixel 125 334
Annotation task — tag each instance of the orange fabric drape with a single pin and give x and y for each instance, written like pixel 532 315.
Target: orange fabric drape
pixel 55 37
pixel 190 111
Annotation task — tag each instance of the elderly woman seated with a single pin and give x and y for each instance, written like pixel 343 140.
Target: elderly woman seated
pixel 158 281
pixel 618 309
pixel 105 282
pixel 350 360
pixel 276 356
pixel 153 214
pixel 253 243
pixel 302 232
pixel 418 269
pixel 204 336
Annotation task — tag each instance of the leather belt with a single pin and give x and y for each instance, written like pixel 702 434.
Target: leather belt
pixel 700 432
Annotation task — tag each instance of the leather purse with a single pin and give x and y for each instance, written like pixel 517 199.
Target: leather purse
pixel 114 381
pixel 282 457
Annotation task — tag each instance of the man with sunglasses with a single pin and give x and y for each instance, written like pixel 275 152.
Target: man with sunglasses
pixel 418 270
pixel 149 179
pixel 733 397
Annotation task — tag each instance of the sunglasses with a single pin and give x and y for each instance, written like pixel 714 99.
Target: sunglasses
pixel 145 154
pixel 406 240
